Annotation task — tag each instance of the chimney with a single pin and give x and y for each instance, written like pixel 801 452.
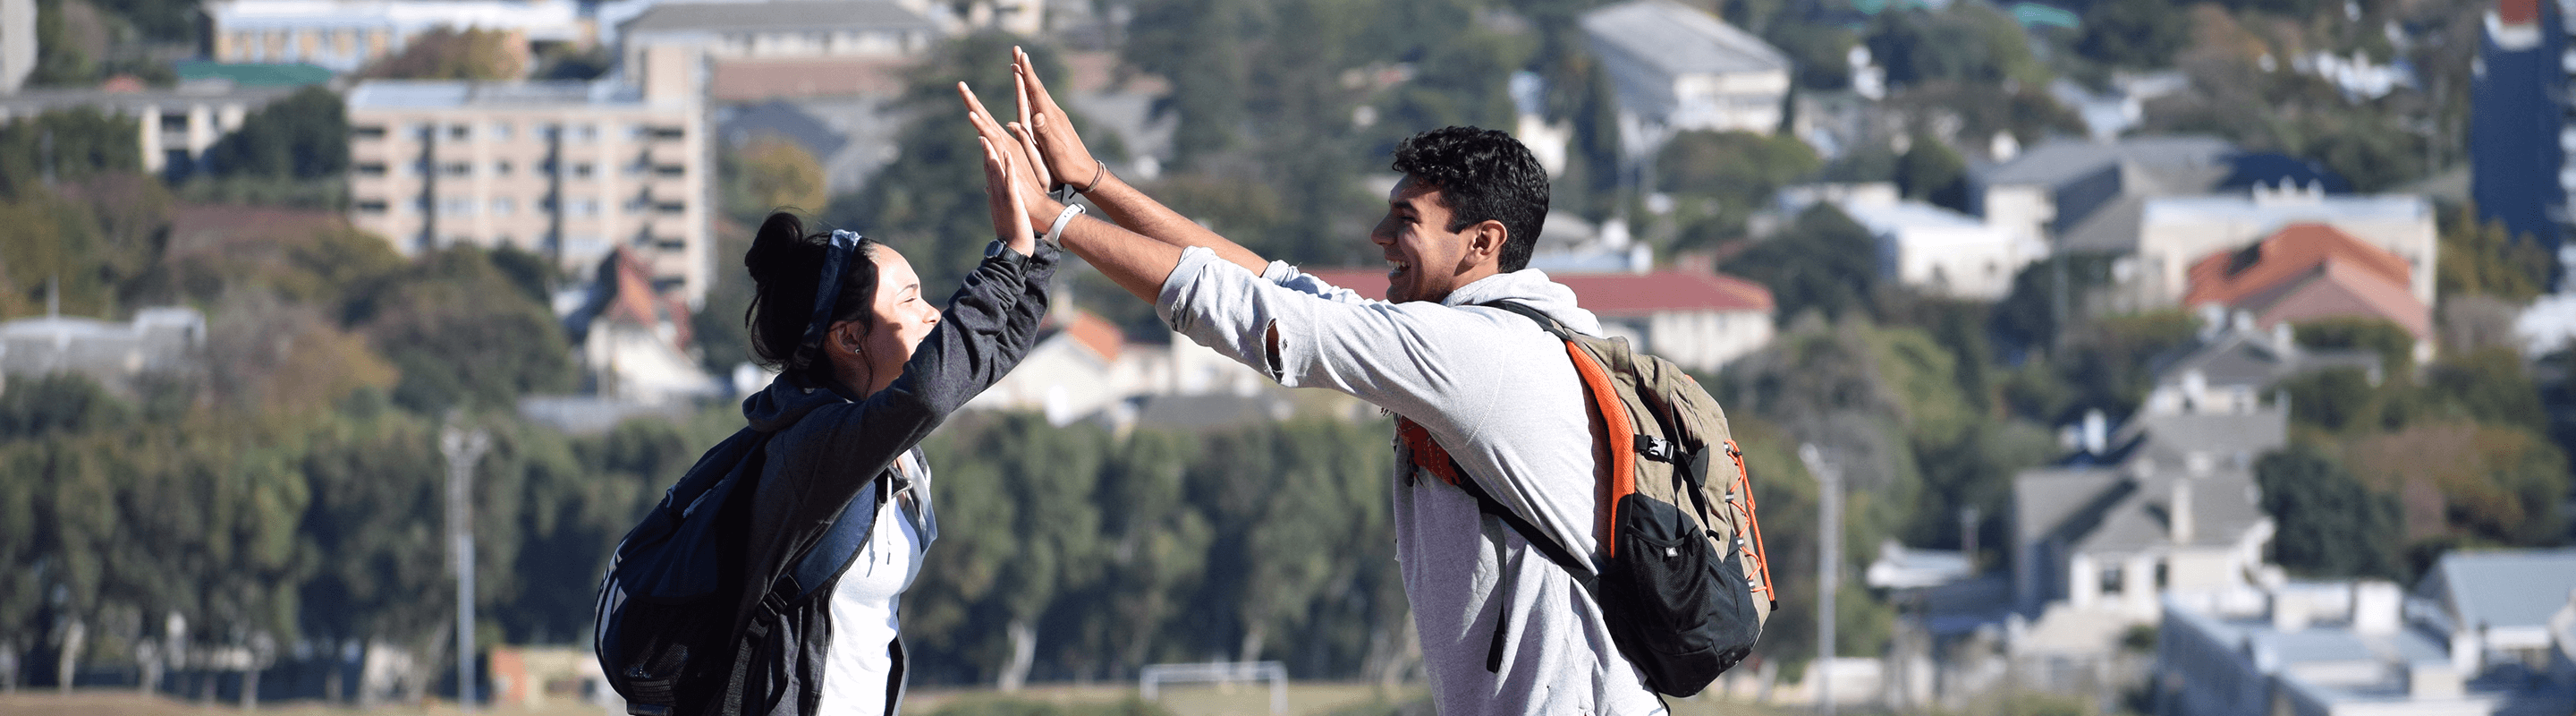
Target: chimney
pixel 2375 607
pixel 2178 518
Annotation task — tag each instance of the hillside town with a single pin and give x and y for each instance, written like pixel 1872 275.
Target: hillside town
pixel 2173 359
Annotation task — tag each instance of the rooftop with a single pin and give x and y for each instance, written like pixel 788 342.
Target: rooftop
pixel 780 15
pixel 2254 359
pixel 2059 161
pixel 2339 208
pixel 2230 276
pixel 2504 588
pixel 439 94
pixel 1680 40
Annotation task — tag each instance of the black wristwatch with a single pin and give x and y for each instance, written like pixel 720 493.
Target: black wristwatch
pixel 997 248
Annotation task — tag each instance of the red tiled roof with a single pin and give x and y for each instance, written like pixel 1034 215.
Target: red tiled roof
pixel 2228 277
pixel 638 303
pixel 1090 330
pixel 2336 289
pixel 2517 12
pixel 1613 294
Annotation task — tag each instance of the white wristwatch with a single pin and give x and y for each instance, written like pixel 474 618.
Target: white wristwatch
pixel 1055 232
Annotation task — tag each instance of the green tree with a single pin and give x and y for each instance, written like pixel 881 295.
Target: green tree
pixel 2486 259
pixel 446 53
pixel 1965 43
pixel 1930 170
pixel 2330 523
pixel 304 136
pixel 2142 34
pixel 1823 261
pixel 1740 171
pixel 462 332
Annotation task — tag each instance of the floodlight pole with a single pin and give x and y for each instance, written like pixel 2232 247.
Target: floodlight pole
pixel 1829 545
pixel 463 448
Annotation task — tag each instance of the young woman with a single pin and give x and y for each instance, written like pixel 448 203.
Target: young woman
pixel 868 366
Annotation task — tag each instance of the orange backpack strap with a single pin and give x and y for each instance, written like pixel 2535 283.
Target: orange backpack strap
pixel 1616 429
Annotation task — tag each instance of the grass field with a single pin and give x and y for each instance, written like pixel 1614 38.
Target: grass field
pixel 1304 699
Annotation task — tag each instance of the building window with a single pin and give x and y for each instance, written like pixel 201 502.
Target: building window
pixel 501 168
pixel 585 133
pixel 457 207
pixel 671 170
pixel 668 133
pixel 367 132
pixel 667 284
pixel 371 169
pixel 671 207
pixel 459 132
pixel 2111 578
pixel 546 203
pixel 174 121
pixel 585 207
pixel 637 132
pixel 549 131
pixel 458 169
pixel 581 170
pixel 501 131
pixel 504 206
pixel 371 206
pixel 669 244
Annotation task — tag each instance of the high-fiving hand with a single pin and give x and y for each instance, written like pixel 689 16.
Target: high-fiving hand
pixel 1054 138
pixel 1003 197
pixel 1025 170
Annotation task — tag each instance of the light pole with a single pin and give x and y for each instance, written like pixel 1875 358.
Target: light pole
pixel 1829 545
pixel 463 448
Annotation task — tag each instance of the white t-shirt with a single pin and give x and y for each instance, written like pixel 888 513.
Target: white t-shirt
pixel 858 670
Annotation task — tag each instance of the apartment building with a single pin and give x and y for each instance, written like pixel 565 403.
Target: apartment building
pixel 569 169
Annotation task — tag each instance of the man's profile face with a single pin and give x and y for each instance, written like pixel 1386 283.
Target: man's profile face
pixel 1425 259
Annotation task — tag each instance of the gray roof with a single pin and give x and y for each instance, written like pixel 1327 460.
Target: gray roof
pixel 2231 440
pixel 2059 161
pixel 785 120
pixel 2045 499
pixel 427 94
pixel 190 93
pixel 2111 228
pixel 2249 358
pixel 1678 39
pixel 784 15
pixel 2505 588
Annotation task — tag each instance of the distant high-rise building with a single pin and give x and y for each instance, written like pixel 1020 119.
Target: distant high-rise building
pixel 17 43
pixel 570 169
pixel 2519 124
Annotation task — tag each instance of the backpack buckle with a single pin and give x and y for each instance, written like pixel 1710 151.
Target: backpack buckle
pixel 1656 449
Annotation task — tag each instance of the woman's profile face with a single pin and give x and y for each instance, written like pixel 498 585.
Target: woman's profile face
pixel 903 316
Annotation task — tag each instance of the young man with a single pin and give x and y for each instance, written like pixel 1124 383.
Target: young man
pixel 1504 630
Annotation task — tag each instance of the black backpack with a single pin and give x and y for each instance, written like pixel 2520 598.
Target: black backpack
pixel 1684 581
pixel 670 634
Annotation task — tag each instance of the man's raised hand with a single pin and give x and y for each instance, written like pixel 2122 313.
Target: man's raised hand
pixel 1056 143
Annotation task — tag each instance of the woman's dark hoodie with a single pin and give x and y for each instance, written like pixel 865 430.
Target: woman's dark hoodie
pixel 826 448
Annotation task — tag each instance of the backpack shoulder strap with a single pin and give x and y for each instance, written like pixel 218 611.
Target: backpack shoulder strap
pixel 1604 396
pixel 832 553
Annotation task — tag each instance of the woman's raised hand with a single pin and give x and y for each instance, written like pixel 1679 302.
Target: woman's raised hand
pixel 1032 200
pixel 1054 141
pixel 1003 196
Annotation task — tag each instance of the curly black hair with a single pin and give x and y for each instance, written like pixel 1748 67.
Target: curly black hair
pixel 1482 174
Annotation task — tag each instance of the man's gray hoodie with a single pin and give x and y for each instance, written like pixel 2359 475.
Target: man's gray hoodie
pixel 1501 396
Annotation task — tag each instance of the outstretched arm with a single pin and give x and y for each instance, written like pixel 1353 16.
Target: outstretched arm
pixel 1072 164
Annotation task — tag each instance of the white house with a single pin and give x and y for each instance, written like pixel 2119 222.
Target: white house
pixel 2486 634
pixel 1679 68
pixel 1931 248
pixel 158 340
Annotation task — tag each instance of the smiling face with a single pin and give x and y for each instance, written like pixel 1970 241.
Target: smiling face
pixel 1425 259
pixel 868 355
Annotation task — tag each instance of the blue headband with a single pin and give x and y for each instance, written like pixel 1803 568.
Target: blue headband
pixel 836 256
